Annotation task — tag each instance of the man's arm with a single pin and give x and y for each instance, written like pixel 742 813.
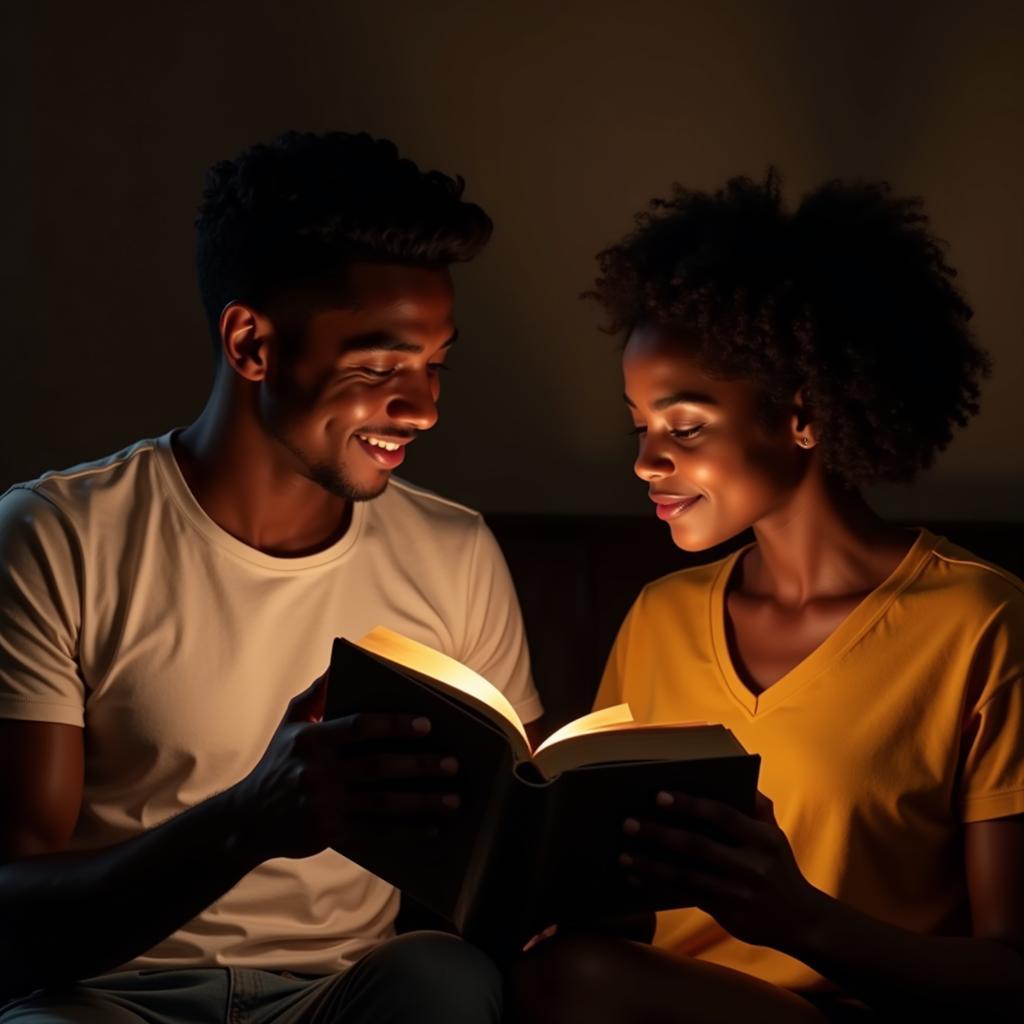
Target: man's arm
pixel 67 915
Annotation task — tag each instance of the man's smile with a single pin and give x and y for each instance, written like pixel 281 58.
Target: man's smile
pixel 386 452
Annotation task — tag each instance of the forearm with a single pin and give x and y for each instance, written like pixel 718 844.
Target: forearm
pixel 634 927
pixel 71 915
pixel 892 968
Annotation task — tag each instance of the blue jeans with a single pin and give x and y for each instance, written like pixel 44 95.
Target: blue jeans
pixel 419 978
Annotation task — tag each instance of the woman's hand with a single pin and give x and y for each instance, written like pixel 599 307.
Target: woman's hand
pixel 743 873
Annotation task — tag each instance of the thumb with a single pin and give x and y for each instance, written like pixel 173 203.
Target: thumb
pixel 764 809
pixel 308 706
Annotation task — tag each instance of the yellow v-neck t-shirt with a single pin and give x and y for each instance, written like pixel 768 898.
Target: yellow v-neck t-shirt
pixel 907 722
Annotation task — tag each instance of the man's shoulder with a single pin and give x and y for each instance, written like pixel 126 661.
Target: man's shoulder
pixel 80 491
pixel 406 505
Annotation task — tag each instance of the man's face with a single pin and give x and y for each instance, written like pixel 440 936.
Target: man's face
pixel 357 382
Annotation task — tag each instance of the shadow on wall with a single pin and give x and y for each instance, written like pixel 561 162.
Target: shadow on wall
pixel 564 118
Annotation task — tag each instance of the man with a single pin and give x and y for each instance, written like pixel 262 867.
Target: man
pixel 159 609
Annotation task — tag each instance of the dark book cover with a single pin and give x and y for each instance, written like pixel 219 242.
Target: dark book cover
pixel 523 851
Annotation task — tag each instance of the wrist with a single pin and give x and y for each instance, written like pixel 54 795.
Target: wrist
pixel 812 919
pixel 242 839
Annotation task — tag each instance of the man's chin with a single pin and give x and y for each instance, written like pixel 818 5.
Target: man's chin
pixel 342 486
pixel 369 494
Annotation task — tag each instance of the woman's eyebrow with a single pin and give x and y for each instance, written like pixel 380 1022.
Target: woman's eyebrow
pixel 679 398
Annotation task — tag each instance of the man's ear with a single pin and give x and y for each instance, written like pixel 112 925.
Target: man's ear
pixel 244 337
pixel 804 431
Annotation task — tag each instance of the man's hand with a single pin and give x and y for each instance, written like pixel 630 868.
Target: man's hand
pixel 318 779
pixel 746 877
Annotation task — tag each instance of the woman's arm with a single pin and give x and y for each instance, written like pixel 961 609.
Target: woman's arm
pixel 888 967
pixel 750 883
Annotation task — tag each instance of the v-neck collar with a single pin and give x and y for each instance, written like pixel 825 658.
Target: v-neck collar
pixel 826 654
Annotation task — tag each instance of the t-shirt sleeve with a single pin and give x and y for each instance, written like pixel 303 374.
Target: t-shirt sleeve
pixel 495 641
pixel 994 766
pixel 39 612
pixel 992 752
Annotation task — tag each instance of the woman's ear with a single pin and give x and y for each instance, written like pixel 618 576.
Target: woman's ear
pixel 804 432
pixel 244 334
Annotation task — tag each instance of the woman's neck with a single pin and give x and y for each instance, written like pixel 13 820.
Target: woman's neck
pixel 825 543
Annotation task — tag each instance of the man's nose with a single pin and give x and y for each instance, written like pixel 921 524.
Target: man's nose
pixel 414 405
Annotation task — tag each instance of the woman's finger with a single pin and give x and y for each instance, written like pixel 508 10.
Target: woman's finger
pixel 672 884
pixel 723 819
pixel 682 845
pixel 764 809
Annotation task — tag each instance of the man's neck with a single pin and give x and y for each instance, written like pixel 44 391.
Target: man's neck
pixel 249 485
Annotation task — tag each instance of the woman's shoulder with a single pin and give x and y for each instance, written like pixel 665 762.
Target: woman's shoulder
pixel 969 583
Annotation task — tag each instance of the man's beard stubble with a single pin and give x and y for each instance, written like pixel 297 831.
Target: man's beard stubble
pixel 323 474
pixel 335 482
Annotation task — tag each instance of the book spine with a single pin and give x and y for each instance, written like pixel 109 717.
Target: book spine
pixel 483 852
pixel 499 915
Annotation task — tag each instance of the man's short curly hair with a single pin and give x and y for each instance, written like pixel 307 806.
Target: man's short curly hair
pixel 848 300
pixel 306 205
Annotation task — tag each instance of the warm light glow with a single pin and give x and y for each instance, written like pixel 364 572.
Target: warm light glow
pixel 596 721
pixel 437 667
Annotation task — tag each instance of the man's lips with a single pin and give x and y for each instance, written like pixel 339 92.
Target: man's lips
pixel 672 505
pixel 387 452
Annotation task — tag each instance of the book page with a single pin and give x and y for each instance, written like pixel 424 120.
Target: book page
pixel 618 714
pixel 670 741
pixel 434 666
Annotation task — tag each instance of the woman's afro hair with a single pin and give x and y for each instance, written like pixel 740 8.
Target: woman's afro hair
pixel 849 300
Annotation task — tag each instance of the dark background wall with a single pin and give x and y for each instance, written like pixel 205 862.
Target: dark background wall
pixel 564 118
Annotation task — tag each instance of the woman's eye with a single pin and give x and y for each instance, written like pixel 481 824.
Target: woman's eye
pixel 370 371
pixel 683 434
pixel 438 367
pixel 688 432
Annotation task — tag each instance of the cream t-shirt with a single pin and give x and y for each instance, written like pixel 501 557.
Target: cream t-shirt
pixel 125 609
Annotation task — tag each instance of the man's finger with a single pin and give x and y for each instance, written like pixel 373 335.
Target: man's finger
pixel 404 833
pixel 375 768
pixel 308 706
pixel 399 805
pixel 375 726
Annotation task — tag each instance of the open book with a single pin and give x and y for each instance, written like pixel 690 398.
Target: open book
pixel 537 837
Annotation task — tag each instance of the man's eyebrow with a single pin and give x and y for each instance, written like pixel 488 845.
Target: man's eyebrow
pixel 381 341
pixel 679 398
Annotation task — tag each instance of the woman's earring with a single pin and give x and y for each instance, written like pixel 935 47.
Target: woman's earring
pixel 805 441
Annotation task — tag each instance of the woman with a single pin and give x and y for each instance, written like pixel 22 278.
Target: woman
pixel 774 364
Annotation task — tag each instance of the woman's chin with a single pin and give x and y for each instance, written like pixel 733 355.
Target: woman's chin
pixel 687 538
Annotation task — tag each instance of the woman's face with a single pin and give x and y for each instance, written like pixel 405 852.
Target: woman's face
pixel 713 465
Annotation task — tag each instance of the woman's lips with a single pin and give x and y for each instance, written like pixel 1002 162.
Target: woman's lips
pixel 670 505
